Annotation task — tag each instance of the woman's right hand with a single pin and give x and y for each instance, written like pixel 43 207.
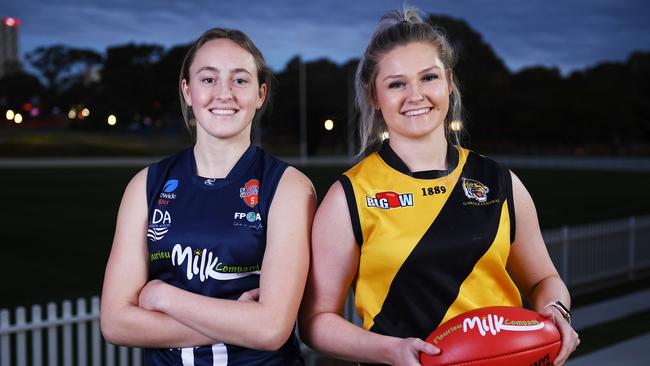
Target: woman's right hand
pixel 407 351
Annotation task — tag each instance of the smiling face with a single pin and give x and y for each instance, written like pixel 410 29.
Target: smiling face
pixel 412 91
pixel 223 90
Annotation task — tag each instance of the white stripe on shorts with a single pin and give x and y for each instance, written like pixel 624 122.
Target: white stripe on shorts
pixel 219 355
pixel 187 356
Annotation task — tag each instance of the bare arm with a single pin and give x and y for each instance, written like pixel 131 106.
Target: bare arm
pixel 534 271
pixel 266 323
pixel 335 258
pixel 122 320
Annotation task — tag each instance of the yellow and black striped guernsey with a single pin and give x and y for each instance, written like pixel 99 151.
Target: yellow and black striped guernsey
pixel 434 244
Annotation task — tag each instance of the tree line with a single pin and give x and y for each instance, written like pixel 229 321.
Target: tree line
pixel 604 109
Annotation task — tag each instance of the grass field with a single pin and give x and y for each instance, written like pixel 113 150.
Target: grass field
pixel 57 224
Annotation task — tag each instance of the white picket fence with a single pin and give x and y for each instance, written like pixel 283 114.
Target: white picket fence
pixel 60 338
pixel 602 252
pixel 585 254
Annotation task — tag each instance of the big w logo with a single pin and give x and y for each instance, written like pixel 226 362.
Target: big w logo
pixel 387 200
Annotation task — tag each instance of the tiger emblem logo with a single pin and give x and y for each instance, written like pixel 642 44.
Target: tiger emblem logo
pixel 475 189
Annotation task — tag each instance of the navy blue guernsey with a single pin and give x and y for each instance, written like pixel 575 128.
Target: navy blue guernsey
pixel 208 236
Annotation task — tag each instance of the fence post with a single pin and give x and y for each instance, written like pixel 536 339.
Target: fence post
pixel 67 333
pixel 632 245
pixel 565 254
pixel 21 339
pixel 4 338
pixel 123 355
pixel 82 340
pixel 110 354
pixel 37 342
pixel 136 356
pixel 52 339
pixel 94 330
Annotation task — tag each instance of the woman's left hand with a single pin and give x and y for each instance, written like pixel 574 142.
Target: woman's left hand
pixel 151 296
pixel 570 339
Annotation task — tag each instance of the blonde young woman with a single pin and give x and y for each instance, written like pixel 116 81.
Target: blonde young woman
pixel 421 228
pixel 211 249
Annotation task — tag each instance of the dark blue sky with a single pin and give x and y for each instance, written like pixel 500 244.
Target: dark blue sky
pixel 569 34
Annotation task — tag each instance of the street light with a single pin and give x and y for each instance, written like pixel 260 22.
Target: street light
pixel 456 125
pixel 329 125
pixel 18 118
pixel 10 115
pixel 72 113
pixel 111 120
pixel 85 112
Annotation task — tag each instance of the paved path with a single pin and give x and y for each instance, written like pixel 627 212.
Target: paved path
pixel 616 308
pixel 632 352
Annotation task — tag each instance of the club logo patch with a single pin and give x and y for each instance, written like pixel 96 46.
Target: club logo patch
pixel 475 190
pixel 250 192
pixel 388 200
pixel 161 220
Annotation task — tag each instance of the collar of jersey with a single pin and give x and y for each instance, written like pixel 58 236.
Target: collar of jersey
pixel 244 162
pixel 388 155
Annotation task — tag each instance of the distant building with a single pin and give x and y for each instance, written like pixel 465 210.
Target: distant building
pixel 9 59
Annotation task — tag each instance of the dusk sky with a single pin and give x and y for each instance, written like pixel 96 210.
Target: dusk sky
pixel 569 34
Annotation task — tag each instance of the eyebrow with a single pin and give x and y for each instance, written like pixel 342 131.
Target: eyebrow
pixel 214 69
pixel 423 71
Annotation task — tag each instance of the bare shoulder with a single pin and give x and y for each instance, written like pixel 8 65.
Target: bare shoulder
pixel 293 180
pixel 516 182
pixel 139 180
pixel 335 197
pixel 333 219
pixel 134 196
pixel 521 197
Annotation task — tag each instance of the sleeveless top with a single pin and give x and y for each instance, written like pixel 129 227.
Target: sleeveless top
pixel 433 244
pixel 208 236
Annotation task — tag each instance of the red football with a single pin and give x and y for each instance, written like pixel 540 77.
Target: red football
pixel 496 335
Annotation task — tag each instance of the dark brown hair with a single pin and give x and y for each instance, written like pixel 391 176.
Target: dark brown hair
pixel 264 74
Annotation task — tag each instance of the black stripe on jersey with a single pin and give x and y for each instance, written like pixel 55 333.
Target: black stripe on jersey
pixel 352 207
pixel 424 294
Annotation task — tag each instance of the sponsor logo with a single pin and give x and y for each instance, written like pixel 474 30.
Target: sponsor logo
pixel 388 200
pixel 494 324
pixel 475 190
pixel 159 255
pixel 205 265
pixel 447 332
pixel 209 181
pixel 251 220
pixel 250 192
pixel 170 186
pixel 169 196
pixel 168 190
pixel 544 361
pixel 162 202
pixel 161 220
